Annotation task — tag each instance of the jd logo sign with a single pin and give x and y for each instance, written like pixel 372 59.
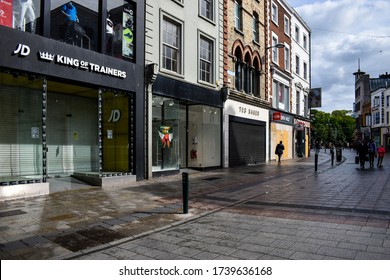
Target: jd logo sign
pixel 22 50
pixel 115 116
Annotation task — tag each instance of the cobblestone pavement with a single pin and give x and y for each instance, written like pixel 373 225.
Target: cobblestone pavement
pixel 264 211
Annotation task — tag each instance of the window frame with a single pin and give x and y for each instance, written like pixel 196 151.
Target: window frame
pixel 179 48
pixel 297 33
pixel 287 29
pixel 256 28
pixel 275 51
pixel 297 65
pixel 238 19
pixel 274 13
pixel 211 2
pixel 287 59
pixel 211 62
pixel 305 41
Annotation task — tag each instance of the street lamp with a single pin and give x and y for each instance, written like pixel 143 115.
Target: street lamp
pixel 279 46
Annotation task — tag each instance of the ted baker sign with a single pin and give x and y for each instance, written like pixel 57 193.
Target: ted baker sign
pixel 24 50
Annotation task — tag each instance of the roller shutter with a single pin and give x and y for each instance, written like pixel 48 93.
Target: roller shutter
pixel 246 142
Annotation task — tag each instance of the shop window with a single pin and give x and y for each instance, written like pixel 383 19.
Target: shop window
pixel 21 128
pixel 71 129
pixel 204 136
pixel 165 134
pixel 116 134
pixel 120 29
pixel 75 22
pixel 22 15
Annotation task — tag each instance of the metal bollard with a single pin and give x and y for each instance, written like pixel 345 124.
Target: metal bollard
pixel 315 162
pixel 332 157
pixel 185 192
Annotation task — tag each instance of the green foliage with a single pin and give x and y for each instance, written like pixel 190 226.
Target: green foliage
pixel 337 127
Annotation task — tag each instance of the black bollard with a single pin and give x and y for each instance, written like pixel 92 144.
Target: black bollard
pixel 185 192
pixel 332 157
pixel 315 162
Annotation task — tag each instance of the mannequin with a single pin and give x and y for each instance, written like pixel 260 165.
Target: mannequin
pixel 71 12
pixel 27 10
pixel 109 35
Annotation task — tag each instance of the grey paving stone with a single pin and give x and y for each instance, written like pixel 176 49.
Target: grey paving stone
pixel 246 255
pixel 220 250
pixel 305 256
pixel 305 247
pixel 352 246
pixel 205 256
pixel 371 256
pixel 337 252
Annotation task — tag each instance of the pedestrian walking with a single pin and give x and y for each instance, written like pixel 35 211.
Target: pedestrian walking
pixel 362 151
pixel 279 151
pixel 371 152
pixel 381 155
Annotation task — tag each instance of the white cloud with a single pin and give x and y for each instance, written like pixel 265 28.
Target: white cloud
pixel 344 31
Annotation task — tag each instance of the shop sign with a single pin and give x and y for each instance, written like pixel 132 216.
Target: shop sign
pixel 277 116
pixel 24 50
pixel 282 118
pixel 248 111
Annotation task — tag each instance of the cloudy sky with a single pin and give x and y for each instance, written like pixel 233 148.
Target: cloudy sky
pixel 344 31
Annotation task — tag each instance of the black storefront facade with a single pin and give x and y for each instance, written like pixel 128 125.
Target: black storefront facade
pixel 71 108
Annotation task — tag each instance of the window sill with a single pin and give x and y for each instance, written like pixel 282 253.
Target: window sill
pixel 239 31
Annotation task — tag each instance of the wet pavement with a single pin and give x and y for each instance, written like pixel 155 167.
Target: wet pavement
pixel 263 211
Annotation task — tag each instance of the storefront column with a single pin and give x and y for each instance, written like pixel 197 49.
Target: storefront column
pixel 100 129
pixel 44 143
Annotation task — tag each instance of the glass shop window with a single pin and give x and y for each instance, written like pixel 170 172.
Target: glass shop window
pixel 75 22
pixel 120 29
pixel 23 15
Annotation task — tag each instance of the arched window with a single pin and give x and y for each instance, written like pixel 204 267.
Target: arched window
pixel 247 74
pixel 256 77
pixel 238 69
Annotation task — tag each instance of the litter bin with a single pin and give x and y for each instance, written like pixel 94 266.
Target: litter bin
pixel 338 154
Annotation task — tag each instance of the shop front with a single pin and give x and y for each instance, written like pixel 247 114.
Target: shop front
pixel 185 127
pixel 67 111
pixel 245 134
pixel 301 137
pixel 281 129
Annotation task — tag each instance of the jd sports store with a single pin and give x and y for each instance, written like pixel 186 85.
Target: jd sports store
pixel 65 111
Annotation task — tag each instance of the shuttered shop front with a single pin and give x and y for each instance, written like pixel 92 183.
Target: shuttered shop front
pixel 246 141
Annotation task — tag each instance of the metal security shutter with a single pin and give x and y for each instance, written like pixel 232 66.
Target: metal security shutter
pixel 20 137
pixel 246 142
pixel 72 137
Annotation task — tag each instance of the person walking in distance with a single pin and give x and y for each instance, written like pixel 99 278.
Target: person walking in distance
pixel 381 155
pixel 279 151
pixel 371 152
pixel 362 150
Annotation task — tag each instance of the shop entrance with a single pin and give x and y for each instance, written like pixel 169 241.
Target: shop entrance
pixel 71 129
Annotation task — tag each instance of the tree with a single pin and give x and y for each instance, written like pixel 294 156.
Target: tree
pixel 337 127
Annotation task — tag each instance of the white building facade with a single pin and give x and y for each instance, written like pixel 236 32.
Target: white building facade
pixel 184 62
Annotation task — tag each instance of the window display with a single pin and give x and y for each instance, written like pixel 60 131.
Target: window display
pixel 20 14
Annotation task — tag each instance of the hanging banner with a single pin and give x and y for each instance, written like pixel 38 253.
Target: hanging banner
pixel 6 13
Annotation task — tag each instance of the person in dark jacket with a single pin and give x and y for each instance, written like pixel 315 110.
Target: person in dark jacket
pixel 279 151
pixel 362 151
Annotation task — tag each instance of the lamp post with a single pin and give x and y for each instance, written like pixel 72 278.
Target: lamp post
pixel 279 46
